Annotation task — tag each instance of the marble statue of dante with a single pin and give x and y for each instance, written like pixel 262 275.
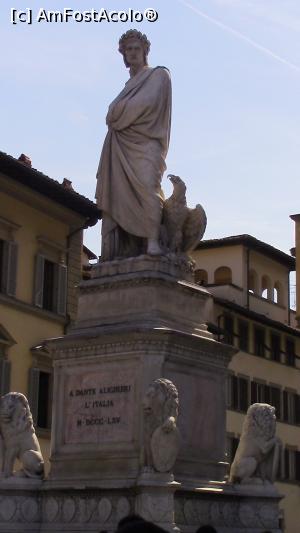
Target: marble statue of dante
pixel 133 155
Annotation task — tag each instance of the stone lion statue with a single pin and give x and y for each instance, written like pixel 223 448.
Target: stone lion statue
pixel 257 455
pixel 18 439
pixel 161 436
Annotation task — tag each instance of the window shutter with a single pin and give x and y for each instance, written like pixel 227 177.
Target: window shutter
pixel 243 394
pixel 61 290
pixel 286 464
pixel 33 392
pixel 235 393
pixel 253 392
pixel 297 408
pixel 228 391
pixel 285 401
pixel 5 367
pixel 267 394
pixel 9 276
pixel 297 466
pixel 234 446
pixel 275 401
pixel 39 280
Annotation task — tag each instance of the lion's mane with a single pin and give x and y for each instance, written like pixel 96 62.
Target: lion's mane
pixel 18 438
pixel 260 421
pixel 15 415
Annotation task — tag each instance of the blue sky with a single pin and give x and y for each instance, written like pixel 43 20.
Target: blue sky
pixel 235 67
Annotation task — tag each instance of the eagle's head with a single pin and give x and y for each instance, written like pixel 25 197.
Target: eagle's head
pixel 178 184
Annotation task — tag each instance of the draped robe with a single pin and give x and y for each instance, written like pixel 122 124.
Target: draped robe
pixel 133 155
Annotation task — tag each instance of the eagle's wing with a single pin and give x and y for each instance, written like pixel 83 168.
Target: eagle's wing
pixel 194 227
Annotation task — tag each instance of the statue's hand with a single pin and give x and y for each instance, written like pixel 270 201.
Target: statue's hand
pixel 169 425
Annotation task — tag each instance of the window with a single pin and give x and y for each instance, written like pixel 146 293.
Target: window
pixel 275 347
pixel 5 369
pixel 223 276
pixel 275 397
pixel 243 333
pixel 278 293
pixel 49 285
pixel 297 465
pixel 267 394
pixel 291 465
pixel 44 403
pixel 201 277
pixel 1 261
pixel 50 289
pixel 291 407
pixel 285 406
pixel 238 393
pixel 253 282
pixel 266 287
pixel 6 341
pixel 232 445
pixel 259 341
pixel 40 397
pixel 259 392
pixel 8 267
pixel 296 401
pixel 286 464
pixel 290 355
pixel 228 329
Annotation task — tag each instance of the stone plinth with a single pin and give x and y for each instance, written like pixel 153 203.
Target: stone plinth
pixel 155 499
pixel 41 509
pixel 229 509
pixel 98 416
pixel 134 327
pixel 142 292
pixel 138 320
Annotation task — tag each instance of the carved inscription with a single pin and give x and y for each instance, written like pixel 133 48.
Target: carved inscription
pixel 99 406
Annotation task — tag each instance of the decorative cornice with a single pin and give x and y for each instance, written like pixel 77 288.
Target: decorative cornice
pixel 174 346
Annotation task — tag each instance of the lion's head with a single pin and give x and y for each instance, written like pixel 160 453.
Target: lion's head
pixel 260 420
pixel 14 410
pixel 161 400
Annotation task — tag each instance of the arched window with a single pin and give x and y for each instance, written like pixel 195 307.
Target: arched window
pixel 278 293
pixel 266 288
pixel 201 276
pixel 253 281
pixel 223 276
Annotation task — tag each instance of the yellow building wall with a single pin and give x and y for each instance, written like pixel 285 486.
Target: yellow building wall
pixel 33 223
pixel 229 256
pixel 286 377
pixel 29 325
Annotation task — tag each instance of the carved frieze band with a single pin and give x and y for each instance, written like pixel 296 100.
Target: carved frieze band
pixel 261 514
pixel 63 509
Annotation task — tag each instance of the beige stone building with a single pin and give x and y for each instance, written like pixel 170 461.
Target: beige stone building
pixel 41 230
pixel 249 281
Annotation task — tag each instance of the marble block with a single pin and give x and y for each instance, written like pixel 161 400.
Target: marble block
pixel 133 328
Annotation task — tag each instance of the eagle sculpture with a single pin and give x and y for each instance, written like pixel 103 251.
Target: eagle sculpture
pixel 183 227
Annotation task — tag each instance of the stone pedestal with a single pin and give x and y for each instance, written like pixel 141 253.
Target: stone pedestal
pixel 155 499
pixel 136 322
pixel 139 320
pixel 40 509
pixel 230 509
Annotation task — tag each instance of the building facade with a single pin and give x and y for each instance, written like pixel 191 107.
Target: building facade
pixel 41 231
pixel 249 281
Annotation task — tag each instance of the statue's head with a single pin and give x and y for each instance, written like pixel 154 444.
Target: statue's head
pixel 260 420
pixel 15 406
pixel 134 46
pixel 161 400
